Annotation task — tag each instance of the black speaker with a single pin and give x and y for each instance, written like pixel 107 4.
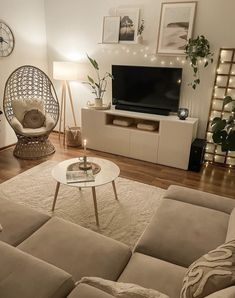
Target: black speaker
pixel 197 152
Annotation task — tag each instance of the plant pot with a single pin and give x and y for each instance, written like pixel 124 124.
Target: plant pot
pixel 98 102
pixel 140 39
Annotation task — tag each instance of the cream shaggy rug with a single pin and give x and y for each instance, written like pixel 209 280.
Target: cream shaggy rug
pixel 123 220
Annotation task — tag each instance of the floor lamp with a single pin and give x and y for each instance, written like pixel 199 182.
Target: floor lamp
pixel 65 72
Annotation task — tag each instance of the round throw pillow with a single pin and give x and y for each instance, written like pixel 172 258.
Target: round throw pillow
pixel 33 119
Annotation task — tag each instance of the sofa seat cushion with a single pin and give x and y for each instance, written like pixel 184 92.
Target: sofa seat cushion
pixel 155 274
pixel 231 227
pixel 180 233
pixel 86 291
pixel 225 293
pixel 18 222
pixel 22 275
pixel 77 250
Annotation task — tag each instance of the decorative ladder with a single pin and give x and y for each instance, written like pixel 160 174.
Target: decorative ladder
pixel 224 84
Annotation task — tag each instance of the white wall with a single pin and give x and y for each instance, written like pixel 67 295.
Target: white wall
pixel 74 27
pixel 26 18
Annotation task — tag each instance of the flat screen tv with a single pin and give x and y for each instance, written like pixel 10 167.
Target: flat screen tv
pixel 153 90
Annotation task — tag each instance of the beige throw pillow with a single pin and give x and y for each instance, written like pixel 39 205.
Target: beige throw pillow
pixel 120 289
pixel 33 119
pixel 20 106
pixel 212 272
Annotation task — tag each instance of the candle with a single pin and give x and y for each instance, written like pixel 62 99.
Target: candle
pixel 84 144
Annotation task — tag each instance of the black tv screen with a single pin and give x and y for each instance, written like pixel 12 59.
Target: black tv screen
pixel 146 87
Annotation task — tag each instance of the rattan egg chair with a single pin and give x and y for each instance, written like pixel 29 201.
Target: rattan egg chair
pixel 28 89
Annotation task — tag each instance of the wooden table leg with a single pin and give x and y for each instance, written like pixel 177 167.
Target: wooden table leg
pixel 95 205
pixel 115 190
pixel 55 196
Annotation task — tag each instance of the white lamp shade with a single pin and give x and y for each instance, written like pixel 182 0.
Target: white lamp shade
pixel 66 71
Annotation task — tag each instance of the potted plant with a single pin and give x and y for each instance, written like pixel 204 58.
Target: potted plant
pixel 140 31
pixel 224 129
pixel 98 86
pixel 195 50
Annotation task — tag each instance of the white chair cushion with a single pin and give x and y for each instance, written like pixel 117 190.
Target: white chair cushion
pixel 49 124
pixel 21 106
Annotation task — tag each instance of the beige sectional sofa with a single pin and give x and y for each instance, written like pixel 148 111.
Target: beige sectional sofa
pixel 44 257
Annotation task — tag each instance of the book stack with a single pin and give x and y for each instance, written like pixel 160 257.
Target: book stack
pixel 79 176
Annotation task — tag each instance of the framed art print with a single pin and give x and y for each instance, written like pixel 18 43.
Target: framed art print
pixel 129 23
pixel 176 27
pixel 111 26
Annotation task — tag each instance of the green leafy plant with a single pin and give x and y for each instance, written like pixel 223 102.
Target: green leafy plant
pixel 141 27
pixel 195 50
pixel 98 86
pixel 224 129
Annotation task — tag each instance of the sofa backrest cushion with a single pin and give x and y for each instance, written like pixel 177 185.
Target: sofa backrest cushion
pixel 200 198
pixel 18 222
pixel 22 275
pixel 181 233
pixel 212 272
pixel 231 227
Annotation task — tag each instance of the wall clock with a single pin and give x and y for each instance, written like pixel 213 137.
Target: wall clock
pixel 7 41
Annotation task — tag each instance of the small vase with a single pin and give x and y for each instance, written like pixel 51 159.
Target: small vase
pixel 139 39
pixel 98 102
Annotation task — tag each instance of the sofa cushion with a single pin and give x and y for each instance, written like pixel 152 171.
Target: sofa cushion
pixel 77 250
pixel 85 291
pixel 212 272
pixel 231 227
pixel 200 198
pixel 225 293
pixel 155 274
pixel 121 289
pixel 22 275
pixel 180 232
pixel 18 222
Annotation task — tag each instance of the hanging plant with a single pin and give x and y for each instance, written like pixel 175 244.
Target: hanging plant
pixel 141 27
pixel 195 50
pixel 224 129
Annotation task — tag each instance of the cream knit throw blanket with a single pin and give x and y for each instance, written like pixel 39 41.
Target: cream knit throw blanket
pixel 120 289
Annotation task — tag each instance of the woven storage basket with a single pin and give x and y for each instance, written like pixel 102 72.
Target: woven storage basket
pixel 73 136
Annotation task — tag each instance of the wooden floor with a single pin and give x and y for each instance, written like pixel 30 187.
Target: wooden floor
pixel 212 179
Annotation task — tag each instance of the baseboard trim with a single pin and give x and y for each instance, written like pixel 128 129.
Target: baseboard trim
pixel 7 147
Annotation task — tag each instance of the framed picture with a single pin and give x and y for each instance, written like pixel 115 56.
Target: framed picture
pixel 129 23
pixel 176 27
pixel 111 26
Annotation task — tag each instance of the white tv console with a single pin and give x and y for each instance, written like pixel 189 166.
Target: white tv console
pixel 168 145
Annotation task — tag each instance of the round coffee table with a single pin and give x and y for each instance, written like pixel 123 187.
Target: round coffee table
pixel 108 173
